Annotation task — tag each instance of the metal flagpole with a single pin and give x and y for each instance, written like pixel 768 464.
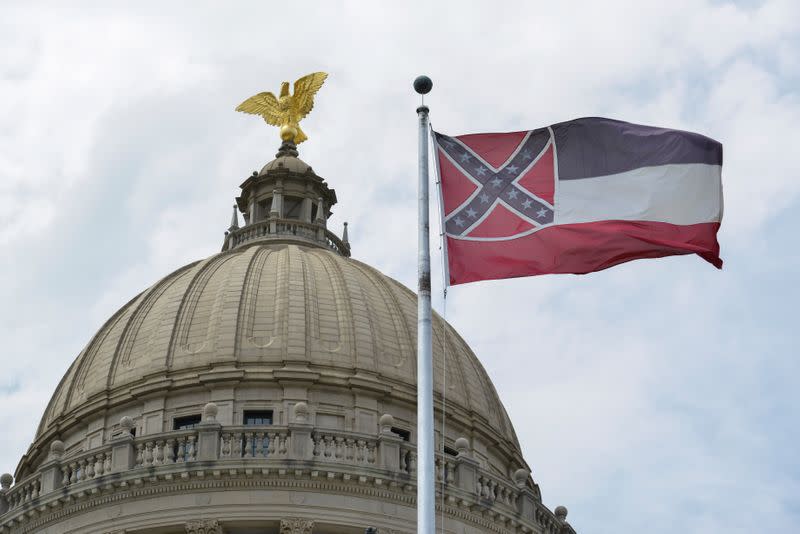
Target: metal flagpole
pixel 426 491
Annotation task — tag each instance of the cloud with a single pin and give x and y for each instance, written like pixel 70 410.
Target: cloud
pixel 655 396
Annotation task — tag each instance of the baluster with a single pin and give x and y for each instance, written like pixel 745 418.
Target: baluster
pixel 225 449
pixel 412 462
pixel 371 453
pixel 248 445
pixel 349 452
pixel 328 448
pixel 237 444
pixel 259 453
pixel 85 465
pixel 107 462
pixel 139 455
pixel 485 488
pixel 360 450
pixel 88 468
pixel 404 460
pixel 437 468
pixel 181 449
pixel 317 447
pixel 65 475
pixel 191 452
pixel 271 438
pixel 98 465
pixel 339 448
pixel 451 472
pixel 37 485
pixel 283 443
pixel 148 453
pixel 160 452
pixel 171 450
pixel 73 476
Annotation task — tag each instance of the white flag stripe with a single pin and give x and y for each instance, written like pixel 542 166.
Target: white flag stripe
pixel 678 194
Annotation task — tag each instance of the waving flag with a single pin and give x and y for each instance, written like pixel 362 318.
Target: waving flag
pixel 576 197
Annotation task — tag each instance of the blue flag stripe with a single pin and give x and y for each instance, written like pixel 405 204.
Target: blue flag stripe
pixel 596 146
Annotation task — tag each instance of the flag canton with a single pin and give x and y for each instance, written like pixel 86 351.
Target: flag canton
pixel 497 186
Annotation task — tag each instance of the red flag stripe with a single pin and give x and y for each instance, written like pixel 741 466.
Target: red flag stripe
pixel 579 249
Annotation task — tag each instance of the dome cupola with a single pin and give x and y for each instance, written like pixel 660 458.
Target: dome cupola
pixel 285 202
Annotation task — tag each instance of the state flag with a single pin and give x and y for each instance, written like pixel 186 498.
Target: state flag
pixel 576 197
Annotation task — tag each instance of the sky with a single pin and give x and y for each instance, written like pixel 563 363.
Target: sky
pixel 659 396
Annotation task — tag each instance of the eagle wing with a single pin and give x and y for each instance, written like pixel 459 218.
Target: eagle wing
pixel 264 104
pixel 304 90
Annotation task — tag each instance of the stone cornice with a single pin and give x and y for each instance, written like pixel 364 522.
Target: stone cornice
pixel 144 483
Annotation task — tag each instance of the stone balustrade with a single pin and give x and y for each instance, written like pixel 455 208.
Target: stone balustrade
pixel 343 447
pixel 277 229
pixel 249 442
pixel 300 450
pixel 166 448
pixel 86 466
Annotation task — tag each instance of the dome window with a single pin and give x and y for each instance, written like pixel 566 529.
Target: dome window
pixel 186 422
pixel 257 417
pixel 264 207
pixel 292 207
pixel 405 434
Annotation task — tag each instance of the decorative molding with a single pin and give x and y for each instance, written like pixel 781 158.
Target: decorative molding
pixel 294 525
pixel 203 526
pixel 31 519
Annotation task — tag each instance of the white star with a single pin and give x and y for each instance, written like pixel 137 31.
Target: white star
pixel 541 213
pixel 527 155
pixel 449 143
pixel 484 198
pixel 480 171
pixel 465 157
pixel 527 203
pixel 497 182
pixel 511 169
pixel 471 213
pixel 459 221
pixel 513 194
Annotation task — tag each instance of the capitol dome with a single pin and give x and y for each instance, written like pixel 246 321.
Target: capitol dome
pixel 270 387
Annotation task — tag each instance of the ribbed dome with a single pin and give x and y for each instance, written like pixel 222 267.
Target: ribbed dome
pixel 290 163
pixel 260 310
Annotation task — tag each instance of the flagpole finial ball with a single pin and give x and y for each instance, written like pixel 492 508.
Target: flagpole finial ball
pixel 423 85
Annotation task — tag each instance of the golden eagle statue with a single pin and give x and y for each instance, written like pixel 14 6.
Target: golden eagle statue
pixel 287 110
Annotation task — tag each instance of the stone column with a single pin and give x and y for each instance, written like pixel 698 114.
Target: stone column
pixel 295 525
pixel 321 212
pixel 307 210
pixel 250 215
pixel 388 445
pixel 208 434
pixel 203 526
pixel 300 445
pixel 51 469
pixel 123 455
pixel 466 468
pixel 526 502
pixel 276 211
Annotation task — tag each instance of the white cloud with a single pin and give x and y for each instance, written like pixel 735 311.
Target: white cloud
pixel 655 396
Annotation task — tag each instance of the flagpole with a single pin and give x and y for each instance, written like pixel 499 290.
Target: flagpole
pixel 426 508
